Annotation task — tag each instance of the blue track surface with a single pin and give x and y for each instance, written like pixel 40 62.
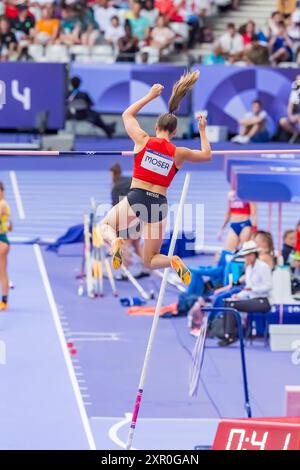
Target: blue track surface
pixel 38 409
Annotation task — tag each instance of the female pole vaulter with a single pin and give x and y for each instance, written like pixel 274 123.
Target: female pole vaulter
pixel 156 162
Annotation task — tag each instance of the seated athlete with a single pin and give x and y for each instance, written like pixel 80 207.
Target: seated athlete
pixel 242 218
pixel 156 162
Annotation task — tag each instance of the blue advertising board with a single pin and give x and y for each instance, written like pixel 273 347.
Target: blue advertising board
pixel 226 92
pixel 113 87
pixel 267 183
pixel 278 160
pixel 27 89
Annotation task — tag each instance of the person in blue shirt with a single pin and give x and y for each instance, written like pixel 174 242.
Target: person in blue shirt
pixel 139 24
pixel 280 46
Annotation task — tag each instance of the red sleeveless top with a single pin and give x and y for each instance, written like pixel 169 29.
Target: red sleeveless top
pixel 155 162
pixel 237 206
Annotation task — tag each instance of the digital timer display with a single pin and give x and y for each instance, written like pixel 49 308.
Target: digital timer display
pixel 258 434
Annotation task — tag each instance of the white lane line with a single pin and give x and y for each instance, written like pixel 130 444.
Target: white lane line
pixel 99 339
pixel 63 344
pixel 172 420
pixel 94 333
pixel 113 431
pixel 17 194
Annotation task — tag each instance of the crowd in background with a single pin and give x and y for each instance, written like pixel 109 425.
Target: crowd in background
pixel 278 41
pixel 133 25
pixel 125 25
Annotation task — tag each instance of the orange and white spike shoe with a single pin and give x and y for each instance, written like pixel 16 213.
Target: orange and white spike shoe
pixel 3 306
pixel 182 271
pixel 117 253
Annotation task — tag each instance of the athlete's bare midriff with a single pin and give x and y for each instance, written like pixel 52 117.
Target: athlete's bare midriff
pixel 154 188
pixel 239 217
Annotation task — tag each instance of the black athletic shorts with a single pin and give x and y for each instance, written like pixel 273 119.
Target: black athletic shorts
pixel 147 206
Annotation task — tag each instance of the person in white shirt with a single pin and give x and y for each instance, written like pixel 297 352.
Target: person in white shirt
pixel 103 14
pixel 150 12
pixel 114 32
pixel 255 295
pixel 230 45
pixel 253 126
pixel 291 122
pixel 162 35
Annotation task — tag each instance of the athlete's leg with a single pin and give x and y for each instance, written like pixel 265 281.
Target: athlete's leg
pixel 246 234
pixel 153 238
pixel 232 240
pixel 120 217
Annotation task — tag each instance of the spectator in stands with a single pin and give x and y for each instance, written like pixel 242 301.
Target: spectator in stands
pixel 162 35
pixel 280 46
pixel 128 45
pixel 294 32
pixel 286 7
pixel 47 28
pixel 253 126
pixel 249 32
pixel 230 45
pixel 193 13
pixel 254 297
pixel 79 107
pixel 264 241
pixel 168 9
pixel 8 41
pixel 139 24
pixel 103 13
pixel 257 53
pixel 11 9
pixel 23 24
pixel 274 23
pixel 291 123
pixel 89 27
pixel 70 26
pixel 289 242
pixel 24 55
pixel 150 12
pixel 251 35
pixel 114 32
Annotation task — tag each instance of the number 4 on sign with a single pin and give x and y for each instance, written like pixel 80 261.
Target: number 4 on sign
pixel 2 94
pixel 260 444
pixel 24 98
pixel 242 433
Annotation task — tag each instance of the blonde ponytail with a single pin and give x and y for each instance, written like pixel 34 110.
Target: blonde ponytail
pixel 181 88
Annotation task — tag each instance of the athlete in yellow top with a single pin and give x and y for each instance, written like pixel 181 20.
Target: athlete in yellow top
pixel 5 226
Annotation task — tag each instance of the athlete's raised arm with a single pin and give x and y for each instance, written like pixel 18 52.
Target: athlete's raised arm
pixel 204 155
pixel 133 129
